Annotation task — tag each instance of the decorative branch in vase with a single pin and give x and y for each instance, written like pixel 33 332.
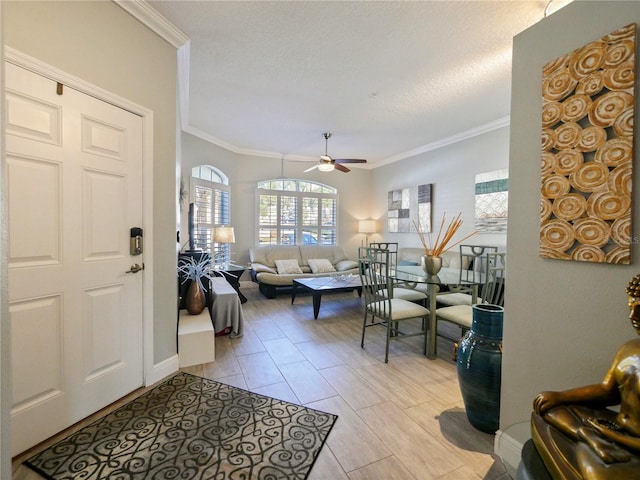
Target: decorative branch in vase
pixel 195 270
pixel 433 249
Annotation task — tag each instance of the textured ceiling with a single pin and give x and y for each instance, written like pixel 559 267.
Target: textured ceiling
pixel 387 78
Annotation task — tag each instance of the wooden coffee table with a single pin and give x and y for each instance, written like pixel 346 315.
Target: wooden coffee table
pixel 319 285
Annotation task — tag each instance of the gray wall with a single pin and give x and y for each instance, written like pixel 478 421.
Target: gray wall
pixel 100 43
pixel 563 320
pixel 451 170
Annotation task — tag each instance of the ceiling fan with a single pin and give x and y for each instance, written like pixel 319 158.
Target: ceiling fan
pixel 327 164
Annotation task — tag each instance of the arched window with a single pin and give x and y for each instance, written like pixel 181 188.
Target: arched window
pixel 296 212
pixel 209 194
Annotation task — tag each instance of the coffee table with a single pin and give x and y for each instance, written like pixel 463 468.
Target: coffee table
pixel 320 285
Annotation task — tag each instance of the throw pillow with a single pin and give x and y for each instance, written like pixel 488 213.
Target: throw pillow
pixel 320 265
pixel 407 263
pixel 288 266
pixel 343 265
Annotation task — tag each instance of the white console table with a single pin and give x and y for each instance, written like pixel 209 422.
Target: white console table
pixel 196 339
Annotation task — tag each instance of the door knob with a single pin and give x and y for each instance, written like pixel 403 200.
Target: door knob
pixel 135 268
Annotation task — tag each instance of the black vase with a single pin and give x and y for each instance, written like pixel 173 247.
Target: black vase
pixel 479 367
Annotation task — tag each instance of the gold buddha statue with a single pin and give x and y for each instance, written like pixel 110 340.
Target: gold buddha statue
pixel 577 436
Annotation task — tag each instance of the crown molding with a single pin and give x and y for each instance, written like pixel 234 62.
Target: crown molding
pixel 459 137
pixel 149 17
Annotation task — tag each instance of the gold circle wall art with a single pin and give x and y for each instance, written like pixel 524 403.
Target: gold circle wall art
pixel 587 151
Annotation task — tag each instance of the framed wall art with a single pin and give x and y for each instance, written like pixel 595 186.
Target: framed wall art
pixel 491 201
pixel 407 205
pixel 587 151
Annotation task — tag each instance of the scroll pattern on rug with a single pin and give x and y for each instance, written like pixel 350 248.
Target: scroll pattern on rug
pixel 191 427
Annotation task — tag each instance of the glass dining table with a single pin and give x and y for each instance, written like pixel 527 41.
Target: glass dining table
pixel 450 277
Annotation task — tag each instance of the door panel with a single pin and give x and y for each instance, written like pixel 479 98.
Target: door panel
pixel 75 190
pixel 41 203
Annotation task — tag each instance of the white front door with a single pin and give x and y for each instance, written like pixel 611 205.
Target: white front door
pixel 74 167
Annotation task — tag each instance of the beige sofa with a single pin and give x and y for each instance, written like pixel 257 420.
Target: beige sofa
pixel 271 271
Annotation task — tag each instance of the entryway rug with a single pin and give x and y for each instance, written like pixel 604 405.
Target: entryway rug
pixel 189 427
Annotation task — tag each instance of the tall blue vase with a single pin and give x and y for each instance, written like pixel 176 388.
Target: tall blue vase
pixel 479 367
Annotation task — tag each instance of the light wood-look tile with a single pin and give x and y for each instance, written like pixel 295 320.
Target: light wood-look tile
pixel 395 386
pixel 357 392
pixel 389 468
pixel 403 420
pixel 307 383
pixel 319 354
pixel 259 370
pixel 351 441
pixel 420 452
pixel 283 351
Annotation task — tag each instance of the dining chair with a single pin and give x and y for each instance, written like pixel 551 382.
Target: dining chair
pixel 473 259
pixel 492 291
pixel 382 309
pixel 400 289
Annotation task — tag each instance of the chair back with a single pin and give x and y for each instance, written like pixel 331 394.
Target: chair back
pixel 493 288
pixel 392 247
pixel 373 266
pixel 473 258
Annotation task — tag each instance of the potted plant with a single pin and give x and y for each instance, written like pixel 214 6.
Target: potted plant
pixel 433 249
pixel 195 270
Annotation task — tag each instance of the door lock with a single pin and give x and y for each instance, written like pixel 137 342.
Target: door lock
pixel 135 268
pixel 135 241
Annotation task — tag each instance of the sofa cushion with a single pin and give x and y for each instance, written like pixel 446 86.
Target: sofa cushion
pixel 333 253
pixel 288 266
pixel 343 265
pixel 258 267
pixel 320 265
pixel 268 254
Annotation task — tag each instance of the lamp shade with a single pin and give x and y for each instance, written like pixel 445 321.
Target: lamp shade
pixel 367 226
pixel 224 235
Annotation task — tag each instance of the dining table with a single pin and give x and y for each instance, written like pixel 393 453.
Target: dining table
pixel 453 278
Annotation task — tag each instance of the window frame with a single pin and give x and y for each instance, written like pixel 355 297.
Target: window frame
pixel 220 216
pixel 300 191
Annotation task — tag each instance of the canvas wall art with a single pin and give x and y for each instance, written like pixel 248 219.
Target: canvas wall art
pixel 587 151
pixel 491 201
pixel 407 205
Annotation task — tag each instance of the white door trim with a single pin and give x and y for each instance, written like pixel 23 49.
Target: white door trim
pixel 5 340
pixel 151 373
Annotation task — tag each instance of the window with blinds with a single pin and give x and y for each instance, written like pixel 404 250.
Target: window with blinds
pixel 296 212
pixel 211 209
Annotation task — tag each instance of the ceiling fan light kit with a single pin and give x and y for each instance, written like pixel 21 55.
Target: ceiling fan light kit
pixel 326 167
pixel 328 164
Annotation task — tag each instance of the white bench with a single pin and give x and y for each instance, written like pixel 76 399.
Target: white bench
pixel 196 339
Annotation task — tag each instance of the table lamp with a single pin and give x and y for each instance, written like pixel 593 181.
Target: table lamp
pixel 224 235
pixel 367 227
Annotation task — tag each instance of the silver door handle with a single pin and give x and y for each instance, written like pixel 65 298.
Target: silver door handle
pixel 135 268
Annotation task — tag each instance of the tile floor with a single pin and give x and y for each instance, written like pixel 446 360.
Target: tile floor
pixel 403 420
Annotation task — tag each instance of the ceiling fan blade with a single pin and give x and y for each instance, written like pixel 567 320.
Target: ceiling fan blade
pixel 342 168
pixel 312 168
pixel 350 160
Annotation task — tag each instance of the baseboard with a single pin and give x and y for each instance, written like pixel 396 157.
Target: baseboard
pixel 162 370
pixel 508 443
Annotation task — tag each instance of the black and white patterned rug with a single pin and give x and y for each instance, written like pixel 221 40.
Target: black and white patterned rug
pixel 192 428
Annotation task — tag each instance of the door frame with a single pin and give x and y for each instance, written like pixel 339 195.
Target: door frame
pixel 25 61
